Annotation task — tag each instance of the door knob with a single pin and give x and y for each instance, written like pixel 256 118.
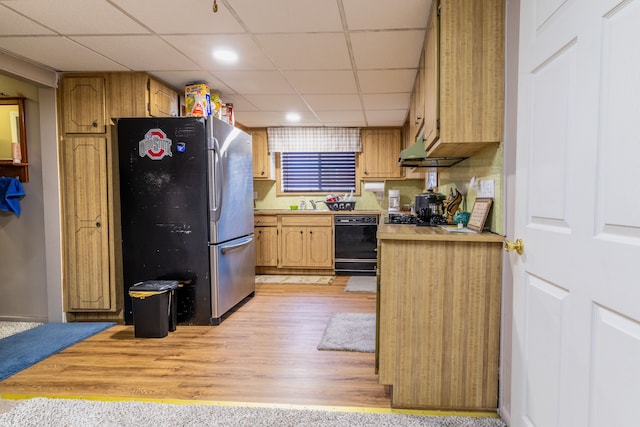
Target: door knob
pixel 517 246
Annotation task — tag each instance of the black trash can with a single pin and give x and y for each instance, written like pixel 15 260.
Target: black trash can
pixel 154 308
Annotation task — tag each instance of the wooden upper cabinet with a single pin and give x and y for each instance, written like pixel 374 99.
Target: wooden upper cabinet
pixel 163 101
pixel 380 151
pixel 84 105
pixel 418 102
pixel 263 162
pixel 431 79
pixel 464 53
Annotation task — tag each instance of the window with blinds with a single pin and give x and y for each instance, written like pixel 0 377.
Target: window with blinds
pixel 318 172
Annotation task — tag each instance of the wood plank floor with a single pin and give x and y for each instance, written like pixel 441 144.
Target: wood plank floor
pixel 265 352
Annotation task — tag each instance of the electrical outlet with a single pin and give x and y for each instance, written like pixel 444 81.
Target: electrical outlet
pixel 255 195
pixel 486 188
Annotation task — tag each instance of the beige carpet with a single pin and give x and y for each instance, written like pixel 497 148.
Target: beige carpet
pixel 40 412
pixel 313 280
pixel 8 328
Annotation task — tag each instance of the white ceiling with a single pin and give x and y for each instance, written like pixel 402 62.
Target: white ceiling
pixel 335 62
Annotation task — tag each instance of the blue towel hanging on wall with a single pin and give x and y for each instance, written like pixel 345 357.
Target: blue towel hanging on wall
pixel 10 191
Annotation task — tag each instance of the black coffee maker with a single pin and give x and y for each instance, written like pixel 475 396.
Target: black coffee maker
pixel 430 208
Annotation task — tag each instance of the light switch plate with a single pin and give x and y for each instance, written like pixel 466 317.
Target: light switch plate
pixel 486 188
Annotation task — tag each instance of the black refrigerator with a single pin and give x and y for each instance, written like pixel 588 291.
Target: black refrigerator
pixel 186 205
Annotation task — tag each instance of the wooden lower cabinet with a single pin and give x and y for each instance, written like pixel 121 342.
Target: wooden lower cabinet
pixel 306 241
pixel 266 238
pixel 439 321
pixel 294 243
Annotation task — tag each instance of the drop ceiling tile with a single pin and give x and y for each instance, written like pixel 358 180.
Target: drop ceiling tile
pixel 386 117
pixel 275 16
pixel 278 102
pixel 387 101
pixel 59 53
pixel 182 17
pixel 200 49
pixel 307 51
pixel 239 102
pixel 135 56
pixel 258 118
pixel 333 102
pixel 356 124
pixel 386 15
pixel 355 116
pixel 78 16
pixel 179 79
pixel 321 82
pixel 387 81
pixel 269 118
pixel 255 82
pixel 12 23
pixel 401 49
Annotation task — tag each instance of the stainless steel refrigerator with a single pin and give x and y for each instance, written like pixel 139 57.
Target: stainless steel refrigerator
pixel 186 205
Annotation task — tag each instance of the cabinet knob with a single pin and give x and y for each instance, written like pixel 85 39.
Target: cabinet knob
pixel 94 124
pixel 98 225
pixel 517 246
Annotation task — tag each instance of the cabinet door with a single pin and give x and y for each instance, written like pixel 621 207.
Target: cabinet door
pixel 293 247
pixel 83 105
pixel 431 78
pixel 418 98
pixel 163 101
pixel 266 246
pixel 471 73
pixel 380 151
pixel 320 247
pixel 263 162
pixel 86 225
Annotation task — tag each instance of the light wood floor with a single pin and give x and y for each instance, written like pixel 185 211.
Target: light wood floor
pixel 265 352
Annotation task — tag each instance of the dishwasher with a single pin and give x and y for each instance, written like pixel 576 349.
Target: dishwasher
pixel 355 245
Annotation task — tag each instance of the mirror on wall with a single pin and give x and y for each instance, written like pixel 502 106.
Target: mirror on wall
pixel 13 138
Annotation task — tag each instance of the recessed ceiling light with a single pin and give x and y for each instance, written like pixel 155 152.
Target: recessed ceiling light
pixel 225 55
pixel 293 117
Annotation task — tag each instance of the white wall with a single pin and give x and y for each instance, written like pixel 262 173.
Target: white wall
pixel 30 279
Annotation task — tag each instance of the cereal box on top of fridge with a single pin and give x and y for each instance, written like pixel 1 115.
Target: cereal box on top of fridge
pixel 197 99
pixel 227 113
pixel 216 105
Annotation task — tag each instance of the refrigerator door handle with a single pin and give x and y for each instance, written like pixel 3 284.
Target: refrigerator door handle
pixel 244 242
pixel 215 179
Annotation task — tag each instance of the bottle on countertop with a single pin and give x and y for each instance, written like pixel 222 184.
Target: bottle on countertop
pixel 303 204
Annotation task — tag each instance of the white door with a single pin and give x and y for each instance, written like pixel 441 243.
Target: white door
pixel 576 330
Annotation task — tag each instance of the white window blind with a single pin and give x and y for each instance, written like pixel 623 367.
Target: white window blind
pixel 314 139
pixel 318 172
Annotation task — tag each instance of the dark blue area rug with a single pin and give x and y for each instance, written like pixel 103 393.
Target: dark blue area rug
pixel 19 351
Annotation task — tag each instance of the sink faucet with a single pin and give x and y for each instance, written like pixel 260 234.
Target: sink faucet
pixel 313 204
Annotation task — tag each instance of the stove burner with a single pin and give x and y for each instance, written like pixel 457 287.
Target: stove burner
pixel 395 218
pixel 414 220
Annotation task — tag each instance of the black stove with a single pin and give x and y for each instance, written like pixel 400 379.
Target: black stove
pixel 410 219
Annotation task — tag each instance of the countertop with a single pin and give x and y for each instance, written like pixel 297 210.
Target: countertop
pixel 414 232
pixel 314 212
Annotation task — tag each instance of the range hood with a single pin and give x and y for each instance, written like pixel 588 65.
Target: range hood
pixel 415 156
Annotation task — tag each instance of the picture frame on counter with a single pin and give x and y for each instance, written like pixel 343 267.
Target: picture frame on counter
pixel 479 214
